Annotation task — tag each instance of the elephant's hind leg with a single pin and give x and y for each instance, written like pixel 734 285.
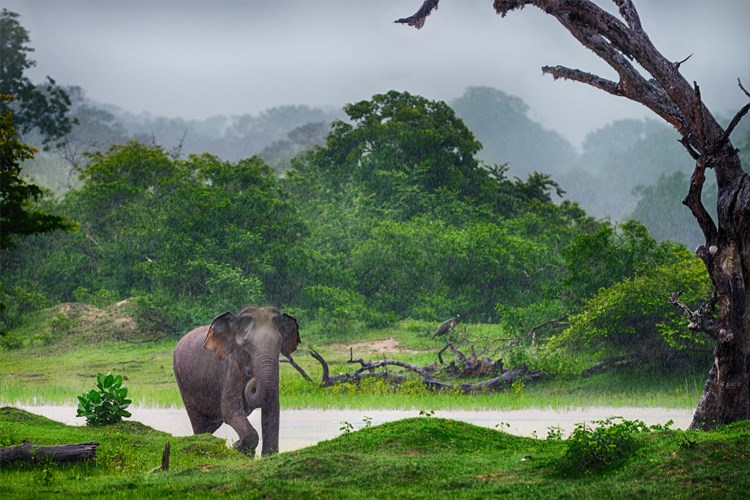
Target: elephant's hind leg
pixel 201 423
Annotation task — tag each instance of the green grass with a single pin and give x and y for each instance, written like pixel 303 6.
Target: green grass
pixel 57 363
pixel 412 458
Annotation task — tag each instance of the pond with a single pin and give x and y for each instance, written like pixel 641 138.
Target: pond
pixel 305 427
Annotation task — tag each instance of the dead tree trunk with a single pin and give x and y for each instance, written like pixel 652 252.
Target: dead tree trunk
pixel 66 453
pixel 622 43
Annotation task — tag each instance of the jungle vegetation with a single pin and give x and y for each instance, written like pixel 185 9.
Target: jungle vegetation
pixel 393 217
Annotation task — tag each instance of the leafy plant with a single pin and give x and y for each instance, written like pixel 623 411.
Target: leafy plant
pixel 598 448
pixel 106 404
pixel 346 427
pixel 554 433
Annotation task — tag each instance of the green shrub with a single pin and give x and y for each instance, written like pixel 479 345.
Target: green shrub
pixel 602 447
pixel 634 316
pixel 107 404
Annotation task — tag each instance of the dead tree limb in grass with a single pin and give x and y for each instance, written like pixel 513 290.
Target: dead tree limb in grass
pixel 379 369
pixel 66 453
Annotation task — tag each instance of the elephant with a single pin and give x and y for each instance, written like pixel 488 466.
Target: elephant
pixel 227 369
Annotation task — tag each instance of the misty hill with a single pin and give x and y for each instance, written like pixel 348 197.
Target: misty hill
pixel 501 123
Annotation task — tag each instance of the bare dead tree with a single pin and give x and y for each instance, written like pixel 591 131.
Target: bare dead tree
pixel 622 43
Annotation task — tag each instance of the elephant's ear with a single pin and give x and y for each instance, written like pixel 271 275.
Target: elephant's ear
pixel 220 338
pixel 289 330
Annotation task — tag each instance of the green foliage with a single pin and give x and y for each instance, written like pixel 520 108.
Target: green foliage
pixel 601 258
pixel 404 156
pixel 19 302
pixel 410 458
pixel 42 107
pixel 607 445
pixel 393 217
pixel 18 215
pixel 200 233
pixel 634 315
pixel 405 221
pixel 106 404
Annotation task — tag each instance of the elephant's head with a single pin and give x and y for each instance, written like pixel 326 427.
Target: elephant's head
pixel 256 336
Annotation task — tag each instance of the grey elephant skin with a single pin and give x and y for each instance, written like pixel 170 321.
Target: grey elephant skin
pixel 229 368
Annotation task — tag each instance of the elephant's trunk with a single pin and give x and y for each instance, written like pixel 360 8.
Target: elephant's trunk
pixel 266 397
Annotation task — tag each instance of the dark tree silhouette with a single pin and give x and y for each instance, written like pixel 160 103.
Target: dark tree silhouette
pixel 621 42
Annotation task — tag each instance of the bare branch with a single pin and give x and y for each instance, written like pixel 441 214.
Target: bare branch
pixel 694 202
pixel 418 19
pixel 743 88
pixel 502 7
pixel 299 368
pixel 583 77
pixel 702 319
pixel 325 377
pixel 367 370
pixel 679 63
pixel 697 107
pixel 629 14
pixel 685 141
pixel 735 121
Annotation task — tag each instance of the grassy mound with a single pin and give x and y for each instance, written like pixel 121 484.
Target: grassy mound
pixel 412 458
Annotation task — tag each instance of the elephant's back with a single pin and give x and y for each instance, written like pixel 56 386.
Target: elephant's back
pixel 192 339
pixel 189 348
pixel 191 360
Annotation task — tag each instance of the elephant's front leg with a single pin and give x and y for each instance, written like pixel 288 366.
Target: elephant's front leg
pixel 269 419
pixel 235 415
pixel 269 423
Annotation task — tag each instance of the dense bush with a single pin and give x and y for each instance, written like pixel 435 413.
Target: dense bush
pixel 180 234
pixel 606 445
pixel 634 316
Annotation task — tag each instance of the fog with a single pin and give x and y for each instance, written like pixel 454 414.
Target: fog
pixel 196 59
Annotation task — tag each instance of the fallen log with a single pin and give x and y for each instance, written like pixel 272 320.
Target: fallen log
pixel 66 453
pixel 368 370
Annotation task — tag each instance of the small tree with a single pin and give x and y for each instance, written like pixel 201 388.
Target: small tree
pixel 622 43
pixel 42 107
pixel 18 216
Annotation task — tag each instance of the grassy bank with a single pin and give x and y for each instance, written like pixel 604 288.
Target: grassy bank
pixel 57 356
pixel 413 458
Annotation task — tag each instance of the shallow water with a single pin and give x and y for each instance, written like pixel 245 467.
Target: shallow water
pixel 302 428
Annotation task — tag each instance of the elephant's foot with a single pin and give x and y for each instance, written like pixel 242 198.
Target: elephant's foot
pixel 248 444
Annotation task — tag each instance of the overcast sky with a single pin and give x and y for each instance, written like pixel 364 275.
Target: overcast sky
pixel 196 59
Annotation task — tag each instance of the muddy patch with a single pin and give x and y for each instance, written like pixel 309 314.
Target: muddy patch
pixel 384 346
